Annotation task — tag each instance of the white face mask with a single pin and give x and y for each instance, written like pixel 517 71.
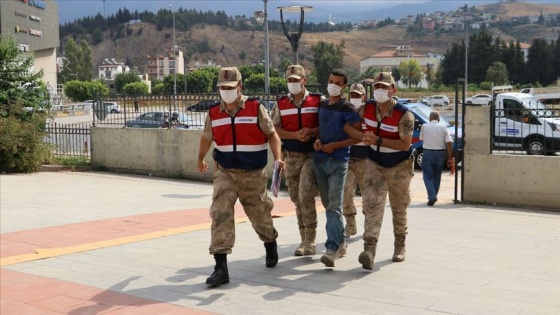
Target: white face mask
pixel 229 96
pixel 381 95
pixel 333 89
pixel 357 102
pixel 295 87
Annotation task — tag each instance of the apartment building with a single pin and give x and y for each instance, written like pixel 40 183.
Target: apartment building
pixel 162 65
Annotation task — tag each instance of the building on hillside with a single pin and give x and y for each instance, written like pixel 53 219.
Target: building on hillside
pixel 429 24
pixel 160 66
pixel 108 71
pixel 34 25
pixel 525 50
pixel 387 60
pixel 110 68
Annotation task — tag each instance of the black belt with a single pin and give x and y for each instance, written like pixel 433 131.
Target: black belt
pixel 434 150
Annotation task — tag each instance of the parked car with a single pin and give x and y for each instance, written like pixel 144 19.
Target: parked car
pixel 402 100
pixel 421 116
pixel 154 120
pixel 112 107
pixel 479 99
pixel 436 100
pixel 202 106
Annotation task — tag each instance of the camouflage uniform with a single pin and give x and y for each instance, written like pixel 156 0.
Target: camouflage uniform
pixel 299 178
pixel 301 187
pixel 378 182
pixel 249 187
pixel 355 176
pixel 382 180
pixel 297 156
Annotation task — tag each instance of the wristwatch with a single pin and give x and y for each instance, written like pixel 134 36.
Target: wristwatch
pixel 379 141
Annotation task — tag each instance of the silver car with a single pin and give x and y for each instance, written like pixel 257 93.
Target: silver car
pixel 155 120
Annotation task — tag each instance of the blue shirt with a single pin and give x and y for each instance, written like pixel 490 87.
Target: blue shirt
pixel 332 119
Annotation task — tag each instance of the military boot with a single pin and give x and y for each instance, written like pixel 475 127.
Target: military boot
pixel 271 254
pixel 400 248
pixel 301 248
pixel 310 246
pixel 220 275
pixel 366 257
pixel 350 228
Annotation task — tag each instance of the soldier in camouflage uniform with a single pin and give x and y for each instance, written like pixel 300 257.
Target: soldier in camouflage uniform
pixel 389 169
pixel 295 119
pixel 240 160
pixel 359 153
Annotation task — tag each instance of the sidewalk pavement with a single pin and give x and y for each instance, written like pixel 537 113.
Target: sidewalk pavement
pixel 101 243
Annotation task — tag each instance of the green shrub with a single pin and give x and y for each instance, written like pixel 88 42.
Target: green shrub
pixel 21 146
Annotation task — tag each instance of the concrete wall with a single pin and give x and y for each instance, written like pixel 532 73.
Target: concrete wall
pixel 527 181
pixel 512 179
pixel 162 152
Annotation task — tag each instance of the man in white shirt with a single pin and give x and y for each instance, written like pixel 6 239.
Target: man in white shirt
pixel 437 143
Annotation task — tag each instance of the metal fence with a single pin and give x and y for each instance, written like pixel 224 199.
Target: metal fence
pixel 69 139
pixel 148 111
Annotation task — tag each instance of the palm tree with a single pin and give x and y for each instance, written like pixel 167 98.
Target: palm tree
pixel 411 73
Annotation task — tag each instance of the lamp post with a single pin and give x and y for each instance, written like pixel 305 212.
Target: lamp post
pixel 466 47
pixel 294 37
pixel 262 16
pixel 174 61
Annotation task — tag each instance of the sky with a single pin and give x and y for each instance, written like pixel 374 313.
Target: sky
pixel 339 11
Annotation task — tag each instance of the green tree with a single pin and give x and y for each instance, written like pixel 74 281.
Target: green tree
pixel 396 73
pixel 369 73
pixel 411 72
pixel 82 90
pixel 97 36
pixel 135 89
pixel 22 122
pixel 539 63
pixel 86 62
pixel 123 79
pixel 326 57
pixel 497 73
pixel 78 62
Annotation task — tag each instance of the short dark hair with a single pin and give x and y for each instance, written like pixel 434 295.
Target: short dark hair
pixel 340 73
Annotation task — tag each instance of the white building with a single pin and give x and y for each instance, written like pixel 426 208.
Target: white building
pixel 110 68
pixel 160 66
pixel 387 60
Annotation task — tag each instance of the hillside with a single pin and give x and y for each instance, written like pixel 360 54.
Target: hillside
pixel 226 47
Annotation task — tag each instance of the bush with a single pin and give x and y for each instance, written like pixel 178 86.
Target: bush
pixel 22 148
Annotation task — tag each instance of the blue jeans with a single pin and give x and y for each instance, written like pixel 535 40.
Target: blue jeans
pixel 432 167
pixel 330 175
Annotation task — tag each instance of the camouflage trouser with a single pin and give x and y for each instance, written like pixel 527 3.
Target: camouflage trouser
pixel 355 175
pixel 301 187
pixel 250 188
pixel 378 181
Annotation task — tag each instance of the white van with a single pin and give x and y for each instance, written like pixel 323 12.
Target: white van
pixel 524 123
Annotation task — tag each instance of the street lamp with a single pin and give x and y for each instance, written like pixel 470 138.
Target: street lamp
pixel 174 61
pixel 466 47
pixel 294 37
pixel 262 17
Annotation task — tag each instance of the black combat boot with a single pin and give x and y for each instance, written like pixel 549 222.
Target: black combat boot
pixel 271 254
pixel 220 274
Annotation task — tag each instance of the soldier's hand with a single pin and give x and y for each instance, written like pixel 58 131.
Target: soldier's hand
pixel 281 166
pixel 304 134
pixel 202 166
pixel 369 138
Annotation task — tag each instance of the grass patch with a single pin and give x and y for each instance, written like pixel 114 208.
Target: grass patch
pixel 76 161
